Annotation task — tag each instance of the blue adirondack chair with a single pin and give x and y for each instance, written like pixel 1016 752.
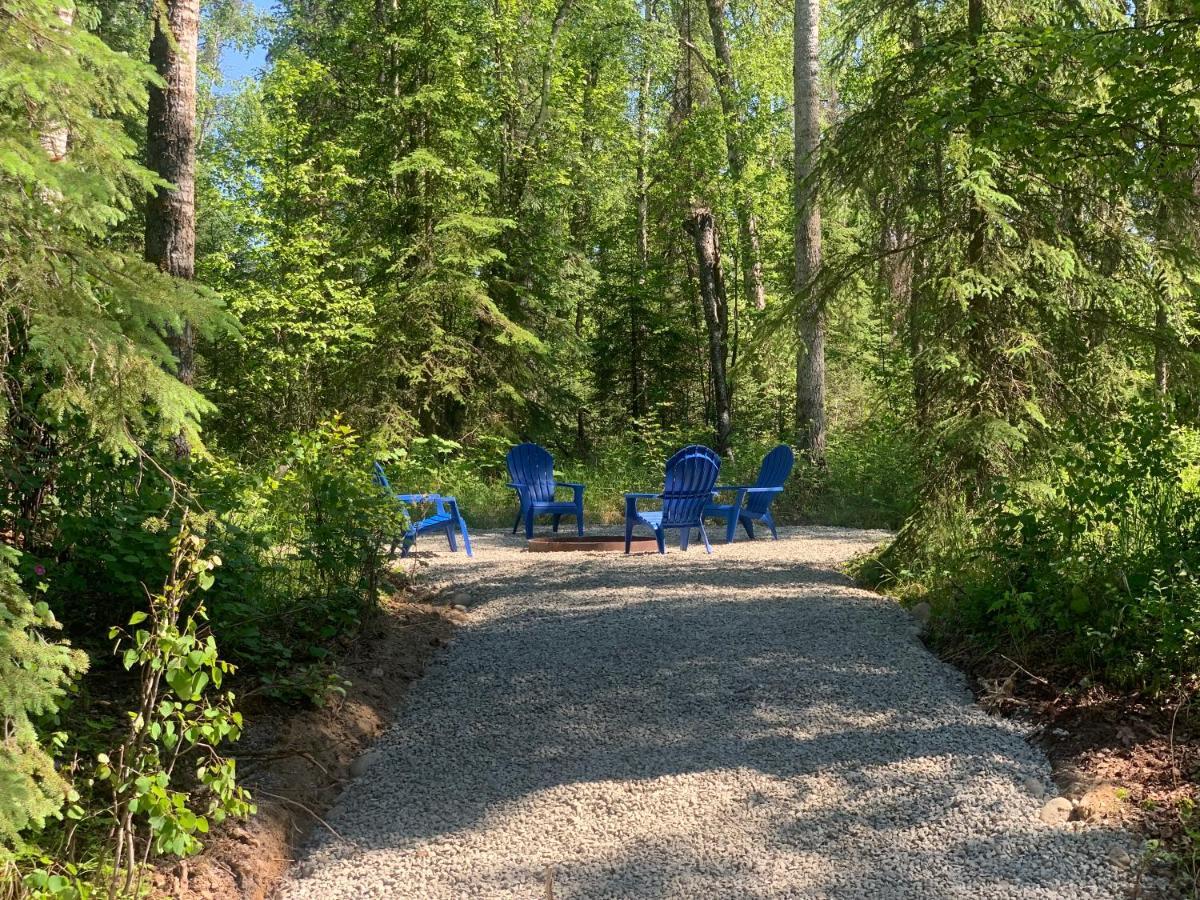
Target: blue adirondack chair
pixel 445 517
pixel 775 468
pixel 687 487
pixel 531 475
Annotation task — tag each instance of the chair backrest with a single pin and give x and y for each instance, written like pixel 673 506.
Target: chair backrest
pixel 688 483
pixel 380 478
pixel 774 471
pixel 532 466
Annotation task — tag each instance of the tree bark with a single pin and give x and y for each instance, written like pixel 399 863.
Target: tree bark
pixel 702 226
pixel 747 223
pixel 977 224
pixel 636 328
pixel 55 136
pixel 810 319
pixel 171 154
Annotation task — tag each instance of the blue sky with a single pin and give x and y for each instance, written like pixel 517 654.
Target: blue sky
pixel 235 64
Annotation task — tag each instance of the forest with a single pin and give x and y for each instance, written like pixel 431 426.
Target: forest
pixel 946 249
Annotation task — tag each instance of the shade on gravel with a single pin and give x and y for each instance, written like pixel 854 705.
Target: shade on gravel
pixel 745 724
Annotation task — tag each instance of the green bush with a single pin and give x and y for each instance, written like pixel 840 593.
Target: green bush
pixel 305 543
pixel 1091 558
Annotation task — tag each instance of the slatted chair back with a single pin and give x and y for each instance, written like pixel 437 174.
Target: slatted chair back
pixel 690 476
pixel 532 466
pixel 775 469
pixel 380 478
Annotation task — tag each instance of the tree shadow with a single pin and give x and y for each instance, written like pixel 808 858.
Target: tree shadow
pixel 802 716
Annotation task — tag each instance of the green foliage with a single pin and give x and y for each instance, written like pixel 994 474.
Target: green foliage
pixel 83 343
pixel 1091 559
pixel 182 719
pixel 306 541
pixel 34 675
pixel 459 223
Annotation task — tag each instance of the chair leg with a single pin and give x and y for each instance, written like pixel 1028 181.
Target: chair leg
pixel 748 524
pixel 462 524
pixel 685 539
pixel 771 524
pixel 529 523
pixel 660 535
pixel 450 537
pixel 517 520
pixel 579 520
pixel 554 527
pixel 628 532
pixel 731 528
pixel 704 534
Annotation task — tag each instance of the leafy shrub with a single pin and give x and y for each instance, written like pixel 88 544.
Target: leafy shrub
pixel 305 542
pixel 110 527
pixel 1092 557
pixel 168 779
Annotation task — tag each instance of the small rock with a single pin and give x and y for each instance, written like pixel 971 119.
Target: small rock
pixel 1056 812
pixel 921 612
pixel 363 764
pixel 1035 787
pixel 1118 856
pixel 377 672
pixel 458 607
pixel 1099 802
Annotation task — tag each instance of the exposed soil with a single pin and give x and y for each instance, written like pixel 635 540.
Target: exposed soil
pixel 1122 759
pixel 295 761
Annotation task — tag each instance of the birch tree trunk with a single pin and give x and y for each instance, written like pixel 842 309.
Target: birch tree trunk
pixel 810 319
pixel 171 154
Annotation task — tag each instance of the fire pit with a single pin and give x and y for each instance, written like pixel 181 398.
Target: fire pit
pixel 591 543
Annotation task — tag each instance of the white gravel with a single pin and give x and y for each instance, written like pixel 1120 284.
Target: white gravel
pixel 741 725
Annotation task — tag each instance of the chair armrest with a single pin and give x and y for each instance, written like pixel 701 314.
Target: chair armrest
pixel 763 490
pixel 419 498
pixel 631 500
pixel 574 486
pixel 736 502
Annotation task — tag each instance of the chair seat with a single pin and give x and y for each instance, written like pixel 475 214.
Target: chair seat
pixel 719 509
pixel 554 506
pixel 446 516
pixel 654 518
pixel 437 520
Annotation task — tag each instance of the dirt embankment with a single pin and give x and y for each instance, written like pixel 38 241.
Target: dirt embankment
pixel 296 760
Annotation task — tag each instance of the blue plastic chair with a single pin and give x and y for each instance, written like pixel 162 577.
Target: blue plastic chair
pixel 445 517
pixel 774 471
pixel 531 475
pixel 687 488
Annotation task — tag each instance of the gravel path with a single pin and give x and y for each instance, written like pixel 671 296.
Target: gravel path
pixel 745 725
